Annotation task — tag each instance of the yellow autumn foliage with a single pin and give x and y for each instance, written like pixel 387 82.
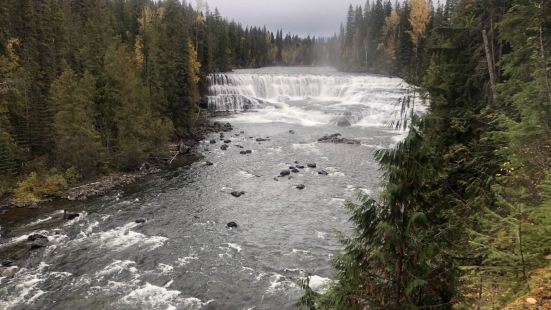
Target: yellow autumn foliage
pixel 419 19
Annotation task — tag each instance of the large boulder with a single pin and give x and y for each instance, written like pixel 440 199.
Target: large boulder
pixel 231 225
pixel 9 272
pixel 337 138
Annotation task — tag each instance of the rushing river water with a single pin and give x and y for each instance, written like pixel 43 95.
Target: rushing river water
pixel 184 256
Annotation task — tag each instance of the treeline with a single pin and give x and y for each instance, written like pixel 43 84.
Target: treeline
pixel 464 218
pixel 385 37
pixel 95 86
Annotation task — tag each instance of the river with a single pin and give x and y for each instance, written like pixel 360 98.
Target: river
pixel 184 256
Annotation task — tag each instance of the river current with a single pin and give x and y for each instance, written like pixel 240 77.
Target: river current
pixel 184 256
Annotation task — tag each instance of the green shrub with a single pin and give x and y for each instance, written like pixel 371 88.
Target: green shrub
pixel 35 187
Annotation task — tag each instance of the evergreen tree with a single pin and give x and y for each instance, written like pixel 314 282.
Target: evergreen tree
pixel 77 141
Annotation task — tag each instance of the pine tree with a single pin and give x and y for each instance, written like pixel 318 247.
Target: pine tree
pixel 77 142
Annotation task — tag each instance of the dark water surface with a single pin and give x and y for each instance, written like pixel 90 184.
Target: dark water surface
pixel 184 257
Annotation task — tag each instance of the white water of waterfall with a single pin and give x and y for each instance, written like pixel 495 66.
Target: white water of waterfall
pixel 310 97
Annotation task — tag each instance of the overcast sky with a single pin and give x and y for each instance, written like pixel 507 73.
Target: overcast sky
pixel 302 17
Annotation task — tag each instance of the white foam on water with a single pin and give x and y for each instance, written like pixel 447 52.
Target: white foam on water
pixel 117 267
pixel 123 237
pixel 77 219
pixel 183 261
pixel 152 297
pixel 279 283
pixel 235 246
pixel 149 296
pixel 309 148
pixel 319 284
pixel 25 288
pixel 39 221
pixel 321 235
pixel 164 268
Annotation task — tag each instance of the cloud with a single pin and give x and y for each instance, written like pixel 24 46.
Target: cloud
pixel 302 17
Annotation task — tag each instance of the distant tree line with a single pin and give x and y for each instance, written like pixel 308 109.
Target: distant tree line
pixel 90 87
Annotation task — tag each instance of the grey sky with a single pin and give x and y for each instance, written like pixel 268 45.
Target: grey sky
pixel 302 17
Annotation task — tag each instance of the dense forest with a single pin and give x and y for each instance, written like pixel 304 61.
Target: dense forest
pixel 464 218
pixel 91 87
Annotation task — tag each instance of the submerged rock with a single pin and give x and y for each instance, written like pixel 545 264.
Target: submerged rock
pixel 262 139
pixel 292 132
pixel 312 165
pixel 208 163
pixel 344 122
pixel 300 166
pixel 323 172
pixel 69 216
pixel 213 141
pixel 224 147
pixel 39 243
pixel 231 225
pixel 301 186
pixel 227 141
pixel 295 170
pixel 140 221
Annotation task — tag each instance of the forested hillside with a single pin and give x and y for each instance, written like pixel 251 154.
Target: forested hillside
pixel 464 219
pixel 95 86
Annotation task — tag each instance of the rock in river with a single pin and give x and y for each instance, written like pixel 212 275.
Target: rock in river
pixel 227 141
pixel 232 225
pixel 284 173
pixel 312 165
pixel 140 221
pixel 336 138
pixel 9 272
pixel 212 141
pixel 323 172
pixel 69 216
pixel 301 186
pixel 224 147
pixel 237 194
pixel 35 237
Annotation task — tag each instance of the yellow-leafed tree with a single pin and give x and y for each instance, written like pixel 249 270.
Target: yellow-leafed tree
pixel 419 19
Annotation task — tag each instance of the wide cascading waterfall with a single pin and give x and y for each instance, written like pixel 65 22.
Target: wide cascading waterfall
pixel 340 98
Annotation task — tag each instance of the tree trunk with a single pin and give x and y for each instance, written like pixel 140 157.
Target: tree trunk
pixel 491 67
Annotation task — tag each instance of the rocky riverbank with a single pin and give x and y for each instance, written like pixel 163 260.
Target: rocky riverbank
pixel 179 154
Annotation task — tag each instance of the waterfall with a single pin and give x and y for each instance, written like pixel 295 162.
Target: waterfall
pixel 242 91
